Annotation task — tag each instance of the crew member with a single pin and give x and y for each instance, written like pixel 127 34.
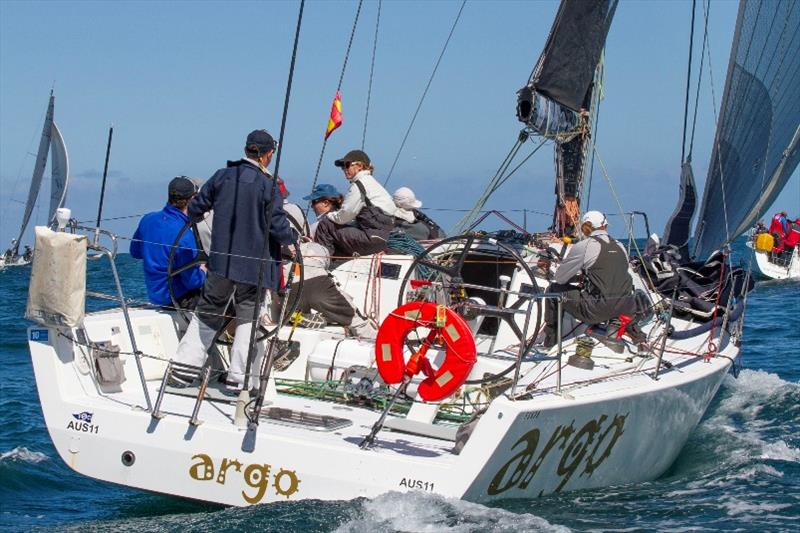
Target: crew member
pixel 152 242
pixel 599 263
pixel 27 255
pixel 241 197
pixel 780 225
pixel 324 198
pixel 294 213
pixel 366 218
pixel 321 301
pixel 410 220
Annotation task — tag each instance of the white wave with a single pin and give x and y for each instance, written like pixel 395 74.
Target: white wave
pixel 20 453
pixel 780 450
pixel 417 511
pixel 735 506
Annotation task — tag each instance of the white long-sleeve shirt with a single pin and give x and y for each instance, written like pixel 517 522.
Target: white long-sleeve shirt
pixel 354 203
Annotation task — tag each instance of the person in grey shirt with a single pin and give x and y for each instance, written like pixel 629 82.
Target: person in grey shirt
pixel 593 279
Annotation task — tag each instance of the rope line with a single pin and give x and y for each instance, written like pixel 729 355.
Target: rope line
pixel 425 92
pixel 371 71
pixel 338 88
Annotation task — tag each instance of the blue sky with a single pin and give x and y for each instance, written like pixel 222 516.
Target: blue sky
pixel 184 82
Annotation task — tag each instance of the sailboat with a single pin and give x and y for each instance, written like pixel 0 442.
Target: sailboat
pixel 494 416
pixel 51 141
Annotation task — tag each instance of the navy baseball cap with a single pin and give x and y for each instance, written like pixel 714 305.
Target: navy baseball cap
pixel 323 190
pixel 262 139
pixel 182 188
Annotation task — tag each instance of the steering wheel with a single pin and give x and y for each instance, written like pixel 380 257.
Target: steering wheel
pixel 202 258
pixel 437 275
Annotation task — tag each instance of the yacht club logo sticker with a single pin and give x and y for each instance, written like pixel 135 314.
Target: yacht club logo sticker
pixel 581 452
pixel 85 416
pixel 83 423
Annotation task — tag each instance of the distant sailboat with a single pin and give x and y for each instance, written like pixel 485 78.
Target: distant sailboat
pixel 59 170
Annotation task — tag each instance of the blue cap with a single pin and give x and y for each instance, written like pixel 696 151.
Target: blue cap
pixel 323 190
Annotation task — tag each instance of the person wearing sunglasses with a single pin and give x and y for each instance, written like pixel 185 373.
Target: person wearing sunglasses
pixel 152 243
pixel 363 224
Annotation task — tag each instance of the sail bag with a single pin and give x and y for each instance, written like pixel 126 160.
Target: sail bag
pixel 57 291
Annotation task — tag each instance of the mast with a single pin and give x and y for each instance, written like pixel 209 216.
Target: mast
pixel 555 103
pixel 38 172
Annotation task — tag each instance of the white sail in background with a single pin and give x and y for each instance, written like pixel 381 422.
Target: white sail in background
pixel 38 170
pixel 59 171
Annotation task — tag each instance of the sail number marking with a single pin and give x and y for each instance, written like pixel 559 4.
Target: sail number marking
pixel 257 476
pixel 582 451
pixel 416 484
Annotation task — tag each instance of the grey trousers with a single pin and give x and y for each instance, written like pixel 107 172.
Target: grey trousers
pixel 322 295
pixel 209 318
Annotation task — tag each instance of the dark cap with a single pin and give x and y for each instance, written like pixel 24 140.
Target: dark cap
pixel 353 155
pixel 262 139
pixel 182 188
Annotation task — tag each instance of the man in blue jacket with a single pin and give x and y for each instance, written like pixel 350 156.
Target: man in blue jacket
pixel 241 196
pixel 153 241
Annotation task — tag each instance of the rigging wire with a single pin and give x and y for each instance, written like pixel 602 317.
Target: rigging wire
pixel 425 92
pixel 371 72
pixel 338 88
pixel 697 92
pixel 688 84
pixel 596 122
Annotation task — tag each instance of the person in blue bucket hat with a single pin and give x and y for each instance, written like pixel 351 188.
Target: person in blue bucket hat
pixel 324 198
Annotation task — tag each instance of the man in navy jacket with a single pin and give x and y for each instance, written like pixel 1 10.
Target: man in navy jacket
pixel 152 242
pixel 241 197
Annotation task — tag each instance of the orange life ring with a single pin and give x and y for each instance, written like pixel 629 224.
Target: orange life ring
pixel 444 324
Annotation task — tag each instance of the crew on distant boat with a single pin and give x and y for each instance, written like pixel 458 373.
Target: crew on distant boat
pixel 593 279
pixel 324 198
pixel 410 220
pixel 27 255
pixel 152 242
pixel 780 224
pixel 363 224
pixel 240 196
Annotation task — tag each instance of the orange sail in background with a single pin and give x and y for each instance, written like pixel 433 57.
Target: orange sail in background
pixel 336 115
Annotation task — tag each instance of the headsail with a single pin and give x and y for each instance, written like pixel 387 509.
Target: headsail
pixel 38 170
pixel 756 146
pixel 558 95
pixel 59 172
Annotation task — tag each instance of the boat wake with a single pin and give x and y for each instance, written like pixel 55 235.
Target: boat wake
pixel 20 453
pixel 417 511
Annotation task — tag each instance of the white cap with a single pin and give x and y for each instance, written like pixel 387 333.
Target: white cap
pixel 595 218
pixel 404 198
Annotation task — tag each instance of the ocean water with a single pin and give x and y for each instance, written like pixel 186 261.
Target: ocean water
pixel 739 471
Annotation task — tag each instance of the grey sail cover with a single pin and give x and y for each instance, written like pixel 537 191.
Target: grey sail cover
pixel 566 67
pixel 59 172
pixel 756 145
pixel 38 169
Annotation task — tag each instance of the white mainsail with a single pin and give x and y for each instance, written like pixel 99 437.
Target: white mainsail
pixel 59 172
pixel 38 170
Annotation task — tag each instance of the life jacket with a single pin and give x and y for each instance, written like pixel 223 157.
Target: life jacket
pixel 794 234
pixel 776 226
pixel 371 218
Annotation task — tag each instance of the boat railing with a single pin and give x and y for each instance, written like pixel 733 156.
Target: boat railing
pixel 111 254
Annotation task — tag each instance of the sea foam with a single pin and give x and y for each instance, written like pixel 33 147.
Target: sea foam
pixel 20 453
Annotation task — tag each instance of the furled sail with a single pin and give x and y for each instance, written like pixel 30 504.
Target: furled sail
pixel 556 100
pixel 679 225
pixel 59 172
pixel 756 146
pixel 38 171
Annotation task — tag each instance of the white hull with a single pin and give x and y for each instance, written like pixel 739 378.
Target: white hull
pixel 16 263
pixel 789 270
pixel 611 425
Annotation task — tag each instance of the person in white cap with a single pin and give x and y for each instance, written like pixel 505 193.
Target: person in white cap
pixel 593 279
pixel 410 220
